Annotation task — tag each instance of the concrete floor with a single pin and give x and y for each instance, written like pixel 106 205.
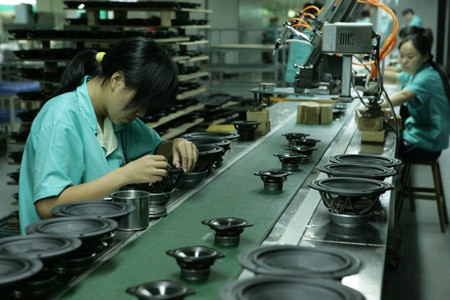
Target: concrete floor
pixel 423 272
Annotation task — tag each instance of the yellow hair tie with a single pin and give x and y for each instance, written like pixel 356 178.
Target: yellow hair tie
pixel 99 57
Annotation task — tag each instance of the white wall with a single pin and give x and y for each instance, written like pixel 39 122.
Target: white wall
pixel 225 16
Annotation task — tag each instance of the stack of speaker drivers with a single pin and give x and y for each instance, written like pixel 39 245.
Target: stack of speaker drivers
pixel 158 204
pixel 353 187
pixel 350 200
pixel 208 155
pixel 294 272
pixel 376 172
pixel 95 209
pixel 96 235
pixel 211 141
pixel 363 159
pixel 29 264
pixel 212 147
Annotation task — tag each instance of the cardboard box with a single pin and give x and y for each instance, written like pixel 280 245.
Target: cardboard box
pixel 308 113
pixel 261 116
pixel 373 136
pixel 258 115
pixel 369 123
pixel 263 128
pixel 326 113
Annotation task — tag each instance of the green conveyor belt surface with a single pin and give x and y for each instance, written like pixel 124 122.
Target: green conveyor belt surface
pixel 235 192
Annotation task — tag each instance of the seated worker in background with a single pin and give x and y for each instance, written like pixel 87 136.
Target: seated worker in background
pixel 88 141
pixel 413 19
pixel 425 92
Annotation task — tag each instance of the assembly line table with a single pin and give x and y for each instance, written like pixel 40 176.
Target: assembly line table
pixel 294 215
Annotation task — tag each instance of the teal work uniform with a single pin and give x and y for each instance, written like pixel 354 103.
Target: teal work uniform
pixel 428 127
pixel 62 150
pixel 415 21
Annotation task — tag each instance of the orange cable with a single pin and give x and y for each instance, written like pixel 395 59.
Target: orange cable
pixel 302 25
pixel 311 7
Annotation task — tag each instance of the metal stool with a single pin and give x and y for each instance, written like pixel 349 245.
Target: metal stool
pixel 436 193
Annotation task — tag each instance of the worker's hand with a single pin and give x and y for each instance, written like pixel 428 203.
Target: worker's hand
pixel 185 154
pixel 147 169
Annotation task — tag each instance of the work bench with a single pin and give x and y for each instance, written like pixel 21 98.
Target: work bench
pixel 295 215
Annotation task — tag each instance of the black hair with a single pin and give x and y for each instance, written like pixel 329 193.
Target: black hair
pixel 409 30
pixel 146 66
pixel 423 45
pixel 407 11
pixel 315 3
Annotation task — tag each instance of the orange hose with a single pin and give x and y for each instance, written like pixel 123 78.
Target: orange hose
pixel 302 22
pixel 391 40
pixel 309 15
pixel 311 7
pixel 302 25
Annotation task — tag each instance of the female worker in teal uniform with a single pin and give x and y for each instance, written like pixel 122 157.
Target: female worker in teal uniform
pixel 425 92
pixel 88 140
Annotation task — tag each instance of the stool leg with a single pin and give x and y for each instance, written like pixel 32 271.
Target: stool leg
pixel 439 202
pixel 403 186
pixel 412 203
pixel 444 205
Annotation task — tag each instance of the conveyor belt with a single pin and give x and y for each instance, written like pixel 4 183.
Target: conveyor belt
pixel 236 192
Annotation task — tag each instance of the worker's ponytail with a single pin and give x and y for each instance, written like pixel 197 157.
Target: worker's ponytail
pixel 84 63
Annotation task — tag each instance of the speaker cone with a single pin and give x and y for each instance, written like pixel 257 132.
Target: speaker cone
pixel 190 180
pixel 95 209
pixel 224 135
pixel 195 261
pixel 162 289
pixel 207 157
pixel 83 228
pixel 210 141
pixel 376 172
pixel 351 187
pixel 227 231
pixel 297 261
pixel 39 246
pixel 14 269
pixel 276 288
pixel 362 159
